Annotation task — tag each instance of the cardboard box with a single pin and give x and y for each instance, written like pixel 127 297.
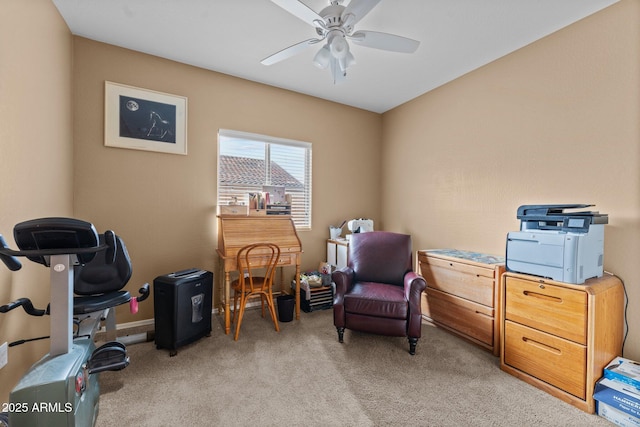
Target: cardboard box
pixel 233 210
pixel 624 370
pixel 618 402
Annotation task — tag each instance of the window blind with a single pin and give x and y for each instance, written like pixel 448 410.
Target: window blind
pixel 247 162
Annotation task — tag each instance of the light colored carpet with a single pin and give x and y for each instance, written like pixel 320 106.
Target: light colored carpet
pixel 304 376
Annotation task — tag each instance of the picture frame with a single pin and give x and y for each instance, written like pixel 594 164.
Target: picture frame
pixel 143 119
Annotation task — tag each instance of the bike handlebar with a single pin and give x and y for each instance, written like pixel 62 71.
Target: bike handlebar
pixel 26 304
pixel 10 261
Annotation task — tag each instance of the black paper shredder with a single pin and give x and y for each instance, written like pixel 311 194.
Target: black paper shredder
pixel 182 304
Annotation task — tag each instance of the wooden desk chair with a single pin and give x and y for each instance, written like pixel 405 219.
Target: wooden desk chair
pixel 257 265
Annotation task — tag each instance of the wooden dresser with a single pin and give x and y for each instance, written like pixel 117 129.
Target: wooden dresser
pixel 559 336
pixel 462 294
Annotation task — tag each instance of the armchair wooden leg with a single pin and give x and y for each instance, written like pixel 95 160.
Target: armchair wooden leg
pixel 412 345
pixel 340 334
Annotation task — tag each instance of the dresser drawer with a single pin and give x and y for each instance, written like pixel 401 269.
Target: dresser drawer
pixel 468 318
pixel 554 360
pixel 554 309
pixel 464 280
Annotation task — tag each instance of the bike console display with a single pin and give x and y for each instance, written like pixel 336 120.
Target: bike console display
pixel 42 237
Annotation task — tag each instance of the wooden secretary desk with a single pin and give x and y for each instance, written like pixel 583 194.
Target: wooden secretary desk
pixel 237 231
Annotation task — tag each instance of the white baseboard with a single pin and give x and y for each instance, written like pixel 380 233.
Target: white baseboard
pixel 133 339
pixel 148 325
pixel 133 325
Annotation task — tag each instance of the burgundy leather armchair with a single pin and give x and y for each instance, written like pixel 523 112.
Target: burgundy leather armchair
pixel 378 292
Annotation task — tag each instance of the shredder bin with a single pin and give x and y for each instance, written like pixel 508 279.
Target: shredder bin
pixel 182 304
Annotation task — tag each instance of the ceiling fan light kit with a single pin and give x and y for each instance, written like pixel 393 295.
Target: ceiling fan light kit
pixel 322 58
pixel 335 24
pixel 338 46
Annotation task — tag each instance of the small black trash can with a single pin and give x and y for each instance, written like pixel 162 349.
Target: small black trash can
pixel 286 304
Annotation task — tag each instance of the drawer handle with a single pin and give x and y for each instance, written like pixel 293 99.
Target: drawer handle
pixel 542 296
pixel 542 345
pixel 483 314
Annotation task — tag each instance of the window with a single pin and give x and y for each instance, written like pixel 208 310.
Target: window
pixel 248 161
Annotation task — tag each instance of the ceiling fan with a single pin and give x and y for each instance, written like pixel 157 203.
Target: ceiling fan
pixel 335 24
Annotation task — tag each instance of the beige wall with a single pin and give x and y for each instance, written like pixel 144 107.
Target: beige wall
pixel 163 205
pixel 556 122
pixel 35 157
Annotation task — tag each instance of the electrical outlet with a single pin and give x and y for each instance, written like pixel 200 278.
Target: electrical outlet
pixel 3 355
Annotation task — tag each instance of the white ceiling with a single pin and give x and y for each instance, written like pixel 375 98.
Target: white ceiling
pixel 233 36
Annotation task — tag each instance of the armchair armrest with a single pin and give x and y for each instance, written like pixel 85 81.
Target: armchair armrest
pixel 414 284
pixel 344 281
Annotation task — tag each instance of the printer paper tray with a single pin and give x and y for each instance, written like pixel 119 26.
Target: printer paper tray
pixel 537 253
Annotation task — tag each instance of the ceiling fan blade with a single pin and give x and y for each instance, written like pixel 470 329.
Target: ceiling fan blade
pixel 359 9
pixel 385 41
pixel 301 11
pixel 289 51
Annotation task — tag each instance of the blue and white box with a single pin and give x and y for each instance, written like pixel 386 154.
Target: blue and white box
pixel 624 370
pixel 618 402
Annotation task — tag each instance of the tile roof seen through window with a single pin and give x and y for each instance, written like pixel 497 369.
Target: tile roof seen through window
pixel 248 171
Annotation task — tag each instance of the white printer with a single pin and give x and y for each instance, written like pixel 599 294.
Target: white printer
pixel 555 243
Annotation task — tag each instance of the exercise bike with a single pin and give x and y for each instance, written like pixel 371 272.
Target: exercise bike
pixel 62 388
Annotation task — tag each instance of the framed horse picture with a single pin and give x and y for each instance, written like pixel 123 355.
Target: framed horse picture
pixel 143 119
